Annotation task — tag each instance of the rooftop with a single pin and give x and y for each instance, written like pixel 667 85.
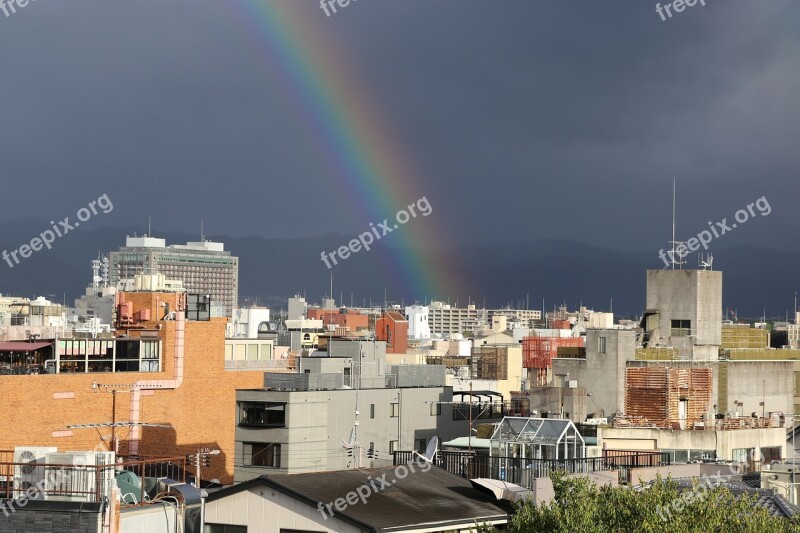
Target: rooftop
pixel 434 497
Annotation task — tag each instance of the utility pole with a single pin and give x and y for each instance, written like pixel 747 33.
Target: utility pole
pixel 470 416
pixel 201 457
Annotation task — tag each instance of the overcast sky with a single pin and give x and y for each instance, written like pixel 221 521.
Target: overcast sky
pixel 524 119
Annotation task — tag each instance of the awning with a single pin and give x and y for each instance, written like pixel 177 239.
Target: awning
pixel 502 490
pixel 464 442
pixel 23 346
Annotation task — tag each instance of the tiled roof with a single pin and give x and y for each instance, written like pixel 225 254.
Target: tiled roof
pixel 750 484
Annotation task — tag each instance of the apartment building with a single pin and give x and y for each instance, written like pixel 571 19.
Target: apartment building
pixel 202 267
pixel 343 411
pixel 162 380
pixel 445 320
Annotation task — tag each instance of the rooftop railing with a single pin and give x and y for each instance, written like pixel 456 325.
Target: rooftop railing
pixel 64 481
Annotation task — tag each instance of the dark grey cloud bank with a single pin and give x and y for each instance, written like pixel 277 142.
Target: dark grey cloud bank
pixel 525 118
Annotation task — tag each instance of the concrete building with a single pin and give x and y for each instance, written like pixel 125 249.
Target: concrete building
pixel 793 333
pixel 529 318
pixel 499 323
pixel 303 333
pixel 418 328
pixel 254 354
pixel 493 338
pixel 297 308
pixel 248 322
pixel 99 299
pixel 445 320
pixel 747 445
pixel 459 346
pixel 602 371
pixel 202 267
pixel 683 310
pixel 346 409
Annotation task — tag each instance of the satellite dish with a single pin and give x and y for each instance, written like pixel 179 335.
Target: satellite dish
pixel 349 444
pixel 430 451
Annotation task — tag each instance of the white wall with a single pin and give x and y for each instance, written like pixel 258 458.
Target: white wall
pixel 267 511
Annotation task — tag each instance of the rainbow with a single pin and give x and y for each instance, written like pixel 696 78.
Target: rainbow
pixel 332 101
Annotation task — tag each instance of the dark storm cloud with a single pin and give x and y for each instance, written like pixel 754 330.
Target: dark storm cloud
pixel 525 118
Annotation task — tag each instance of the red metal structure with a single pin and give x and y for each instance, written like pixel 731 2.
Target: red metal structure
pixel 538 353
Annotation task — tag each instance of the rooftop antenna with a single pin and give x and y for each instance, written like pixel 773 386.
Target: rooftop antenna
pixel 150 225
pixel 708 263
pixel 202 233
pixel 673 261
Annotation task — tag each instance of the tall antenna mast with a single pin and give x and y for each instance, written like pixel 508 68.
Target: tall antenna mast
pixel 203 236
pixel 673 260
pixel 673 223
pixel 149 225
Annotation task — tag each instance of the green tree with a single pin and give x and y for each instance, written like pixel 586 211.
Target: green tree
pixel 581 506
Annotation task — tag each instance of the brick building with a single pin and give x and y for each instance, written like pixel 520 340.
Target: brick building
pixel 193 394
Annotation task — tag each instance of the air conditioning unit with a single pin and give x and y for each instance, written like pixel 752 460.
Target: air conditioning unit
pixel 33 472
pixel 83 478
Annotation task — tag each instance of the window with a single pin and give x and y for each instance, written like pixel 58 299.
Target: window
pixel 393 446
pixel 681 328
pixel 372 410
pixel 740 455
pixel 346 377
pixel 601 345
pixel 262 454
pixel 394 410
pixel 262 414
pixel 224 528
pixel 436 409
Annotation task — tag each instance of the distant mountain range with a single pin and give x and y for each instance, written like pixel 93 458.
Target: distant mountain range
pixel 557 271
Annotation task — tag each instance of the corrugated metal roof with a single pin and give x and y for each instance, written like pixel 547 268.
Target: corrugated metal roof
pixel 433 497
